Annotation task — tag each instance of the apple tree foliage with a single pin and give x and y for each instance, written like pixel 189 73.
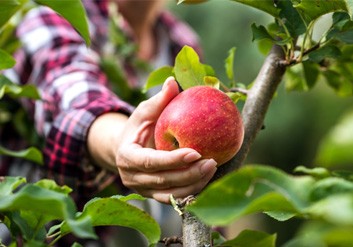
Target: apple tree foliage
pixel 39 214
pixel 323 195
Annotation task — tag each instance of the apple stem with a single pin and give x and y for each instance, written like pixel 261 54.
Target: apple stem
pixel 239 90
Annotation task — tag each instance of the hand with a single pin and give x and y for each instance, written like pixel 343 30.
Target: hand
pixel 155 173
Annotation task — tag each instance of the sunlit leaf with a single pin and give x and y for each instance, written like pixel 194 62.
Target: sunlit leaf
pixel 16 91
pixel 9 184
pixel 31 153
pixel 74 12
pixel 235 96
pixel 337 209
pixel 158 77
pixel 229 64
pixel 251 189
pixel 7 10
pixel 319 172
pixel 6 60
pixel 188 70
pixel 39 206
pixel 211 81
pixel 115 211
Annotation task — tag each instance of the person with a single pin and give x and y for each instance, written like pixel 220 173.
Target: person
pixel 92 138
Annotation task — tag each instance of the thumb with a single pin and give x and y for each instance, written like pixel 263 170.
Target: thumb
pixel 153 107
pixel 170 89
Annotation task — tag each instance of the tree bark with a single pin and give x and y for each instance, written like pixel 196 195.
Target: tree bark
pixel 255 108
pixel 195 233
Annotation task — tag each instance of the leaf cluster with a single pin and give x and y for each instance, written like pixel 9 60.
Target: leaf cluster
pixel 189 71
pixel 28 209
pixel 317 195
pixel 309 58
pixel 11 113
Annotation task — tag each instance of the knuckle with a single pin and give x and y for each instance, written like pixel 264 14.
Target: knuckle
pixel 160 181
pixel 148 164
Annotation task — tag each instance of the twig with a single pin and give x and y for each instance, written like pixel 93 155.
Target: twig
pixel 171 240
pixel 239 90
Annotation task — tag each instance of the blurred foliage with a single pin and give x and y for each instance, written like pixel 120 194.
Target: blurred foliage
pixel 297 122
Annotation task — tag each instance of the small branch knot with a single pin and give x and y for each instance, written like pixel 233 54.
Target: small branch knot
pixel 167 241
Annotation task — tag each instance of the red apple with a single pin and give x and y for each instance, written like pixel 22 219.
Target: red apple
pixel 203 118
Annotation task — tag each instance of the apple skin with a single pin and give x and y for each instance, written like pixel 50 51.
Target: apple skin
pixel 202 118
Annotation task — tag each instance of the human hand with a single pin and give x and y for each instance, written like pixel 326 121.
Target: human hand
pixel 156 173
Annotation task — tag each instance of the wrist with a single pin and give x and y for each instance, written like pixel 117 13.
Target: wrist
pixel 104 137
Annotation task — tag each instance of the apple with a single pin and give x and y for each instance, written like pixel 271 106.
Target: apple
pixel 203 118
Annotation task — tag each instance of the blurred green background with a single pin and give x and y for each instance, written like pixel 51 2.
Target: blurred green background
pixel 296 122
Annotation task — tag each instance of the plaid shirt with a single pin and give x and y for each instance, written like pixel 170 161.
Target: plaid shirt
pixel 74 90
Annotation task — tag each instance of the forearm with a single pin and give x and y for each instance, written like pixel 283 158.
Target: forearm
pixel 103 139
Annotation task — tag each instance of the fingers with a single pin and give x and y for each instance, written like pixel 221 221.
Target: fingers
pixel 170 179
pixel 151 160
pixel 188 185
pixel 180 192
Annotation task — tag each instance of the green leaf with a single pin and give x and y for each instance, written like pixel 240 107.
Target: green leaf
pixel 336 146
pixel 330 186
pixel 7 10
pixel 74 12
pixel 264 5
pixel 339 81
pixel 211 81
pixel 291 18
pixel 329 51
pixel 114 211
pixel 302 76
pixel 6 60
pixel 337 209
pixel 129 197
pixel 251 238
pixel 9 184
pixel 318 172
pixel 32 154
pixel 38 206
pixel 158 77
pixel 229 64
pixel 311 10
pixel 319 233
pixel 261 33
pixel 188 70
pixel 234 96
pixel 52 185
pixel 251 189
pixel 16 91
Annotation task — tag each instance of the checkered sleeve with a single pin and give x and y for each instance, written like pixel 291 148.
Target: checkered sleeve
pixel 74 91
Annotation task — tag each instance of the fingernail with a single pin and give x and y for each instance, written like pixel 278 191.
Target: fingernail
pixel 191 157
pixel 208 166
pixel 167 83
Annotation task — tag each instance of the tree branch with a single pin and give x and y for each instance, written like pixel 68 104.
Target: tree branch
pixel 255 108
pixel 258 100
